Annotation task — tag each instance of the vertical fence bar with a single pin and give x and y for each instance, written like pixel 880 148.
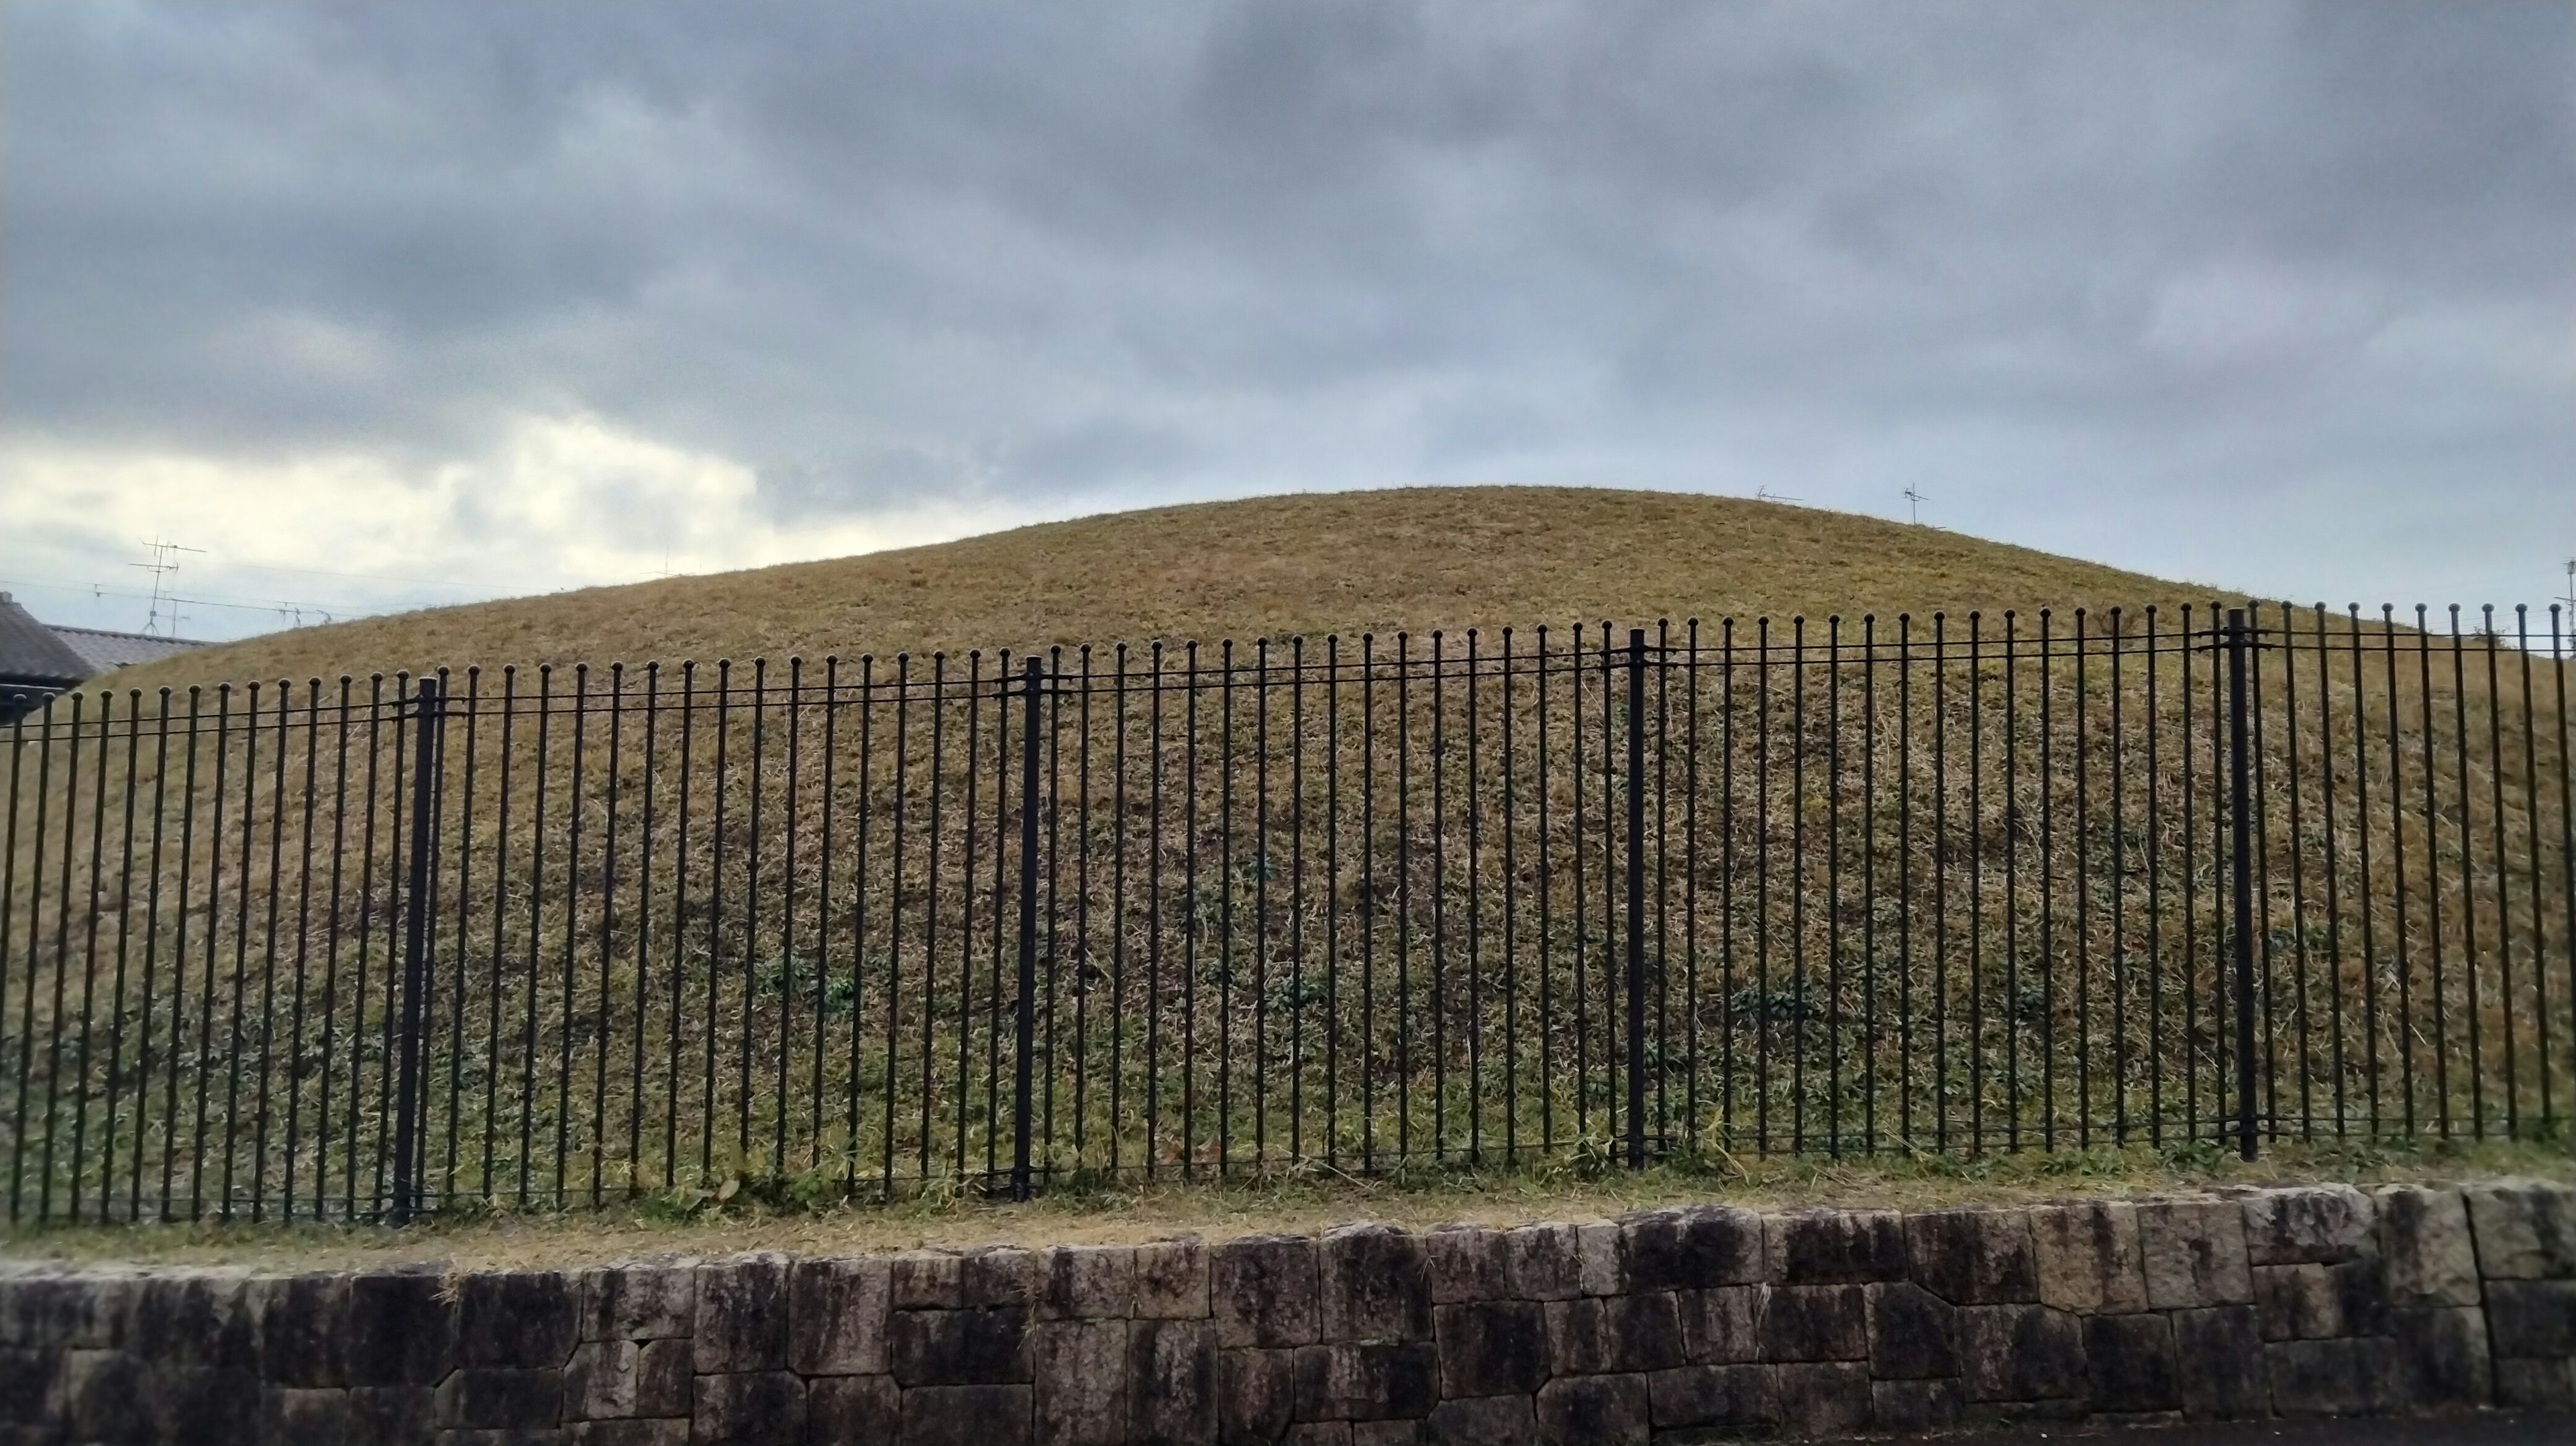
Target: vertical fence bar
pixel 415 945
pixel 2566 816
pixel 1032 674
pixel 1636 898
pixel 2240 838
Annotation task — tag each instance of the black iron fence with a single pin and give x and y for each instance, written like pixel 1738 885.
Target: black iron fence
pixel 549 937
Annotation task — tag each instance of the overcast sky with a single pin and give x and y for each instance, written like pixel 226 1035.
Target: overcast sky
pixel 435 302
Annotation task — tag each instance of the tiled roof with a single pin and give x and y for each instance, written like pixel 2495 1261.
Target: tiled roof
pixel 30 652
pixel 103 650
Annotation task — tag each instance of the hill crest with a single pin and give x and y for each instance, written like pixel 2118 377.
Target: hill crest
pixel 1397 559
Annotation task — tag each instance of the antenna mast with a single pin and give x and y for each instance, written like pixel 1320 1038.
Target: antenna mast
pixel 1914 505
pixel 164 562
pixel 2570 600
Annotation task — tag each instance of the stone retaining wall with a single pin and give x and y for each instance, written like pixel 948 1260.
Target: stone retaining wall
pixel 1671 1324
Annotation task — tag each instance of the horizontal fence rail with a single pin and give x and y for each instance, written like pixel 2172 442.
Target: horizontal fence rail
pixel 550 937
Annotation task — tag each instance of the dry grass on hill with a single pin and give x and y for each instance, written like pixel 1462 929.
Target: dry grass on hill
pixel 1414 558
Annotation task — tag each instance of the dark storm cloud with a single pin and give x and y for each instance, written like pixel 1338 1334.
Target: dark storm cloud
pixel 2082 272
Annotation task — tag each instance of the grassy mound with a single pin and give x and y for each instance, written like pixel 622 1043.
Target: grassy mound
pixel 1413 558
pixel 1950 898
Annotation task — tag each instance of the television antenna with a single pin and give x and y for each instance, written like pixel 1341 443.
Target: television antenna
pixel 1765 494
pixel 1914 504
pixel 164 562
pixel 2569 599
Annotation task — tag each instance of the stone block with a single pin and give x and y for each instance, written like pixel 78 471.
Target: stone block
pixel 1734 1398
pixel 1385 1433
pixel 1482 1421
pixel 218 1406
pixel 1693 1248
pixel 2022 1353
pixel 1171 1382
pixel 1262 1291
pixel 2088 1257
pixel 836 1317
pixel 751 1408
pixel 1078 1371
pixel 2525 1230
pixel 1913 1334
pixel 1601 1258
pixel 1320 1433
pixel 2218 1361
pixel 1172 1280
pixel 1001 1277
pixel 741 1324
pixel 1087 1282
pixel 394 1415
pixel 1824 1398
pixel 193 1320
pixel 614 1380
pixel 27 1382
pixel 2442 1357
pixel 1972 1257
pixel 2526 1385
pixel 303 1322
pixel 1722 1326
pixel 1367 1382
pixel 599 1384
pixel 2321 1302
pixel 2532 1317
pixel 516 1318
pixel 2333 1378
pixel 1835 1247
pixel 966 1416
pixel 638 1302
pixel 58 1312
pixel 1600 1335
pixel 102 1396
pixel 651 1433
pixel 666 1373
pixel 2320 1224
pixel 1491 1348
pixel 2132 1362
pixel 1545 1262
pixel 1595 1411
pixel 299 1416
pixel 1816 1323
pixel 401 1329
pixel 1256 1395
pixel 494 1398
pixel 926 1280
pixel 958 1347
pixel 1375 1284
pixel 860 1410
pixel 1467 1262
pixel 2425 1243
pixel 1906 1407
pixel 2193 1253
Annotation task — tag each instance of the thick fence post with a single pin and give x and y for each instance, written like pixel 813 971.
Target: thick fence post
pixel 406 1183
pixel 1636 898
pixel 1034 681
pixel 2240 805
